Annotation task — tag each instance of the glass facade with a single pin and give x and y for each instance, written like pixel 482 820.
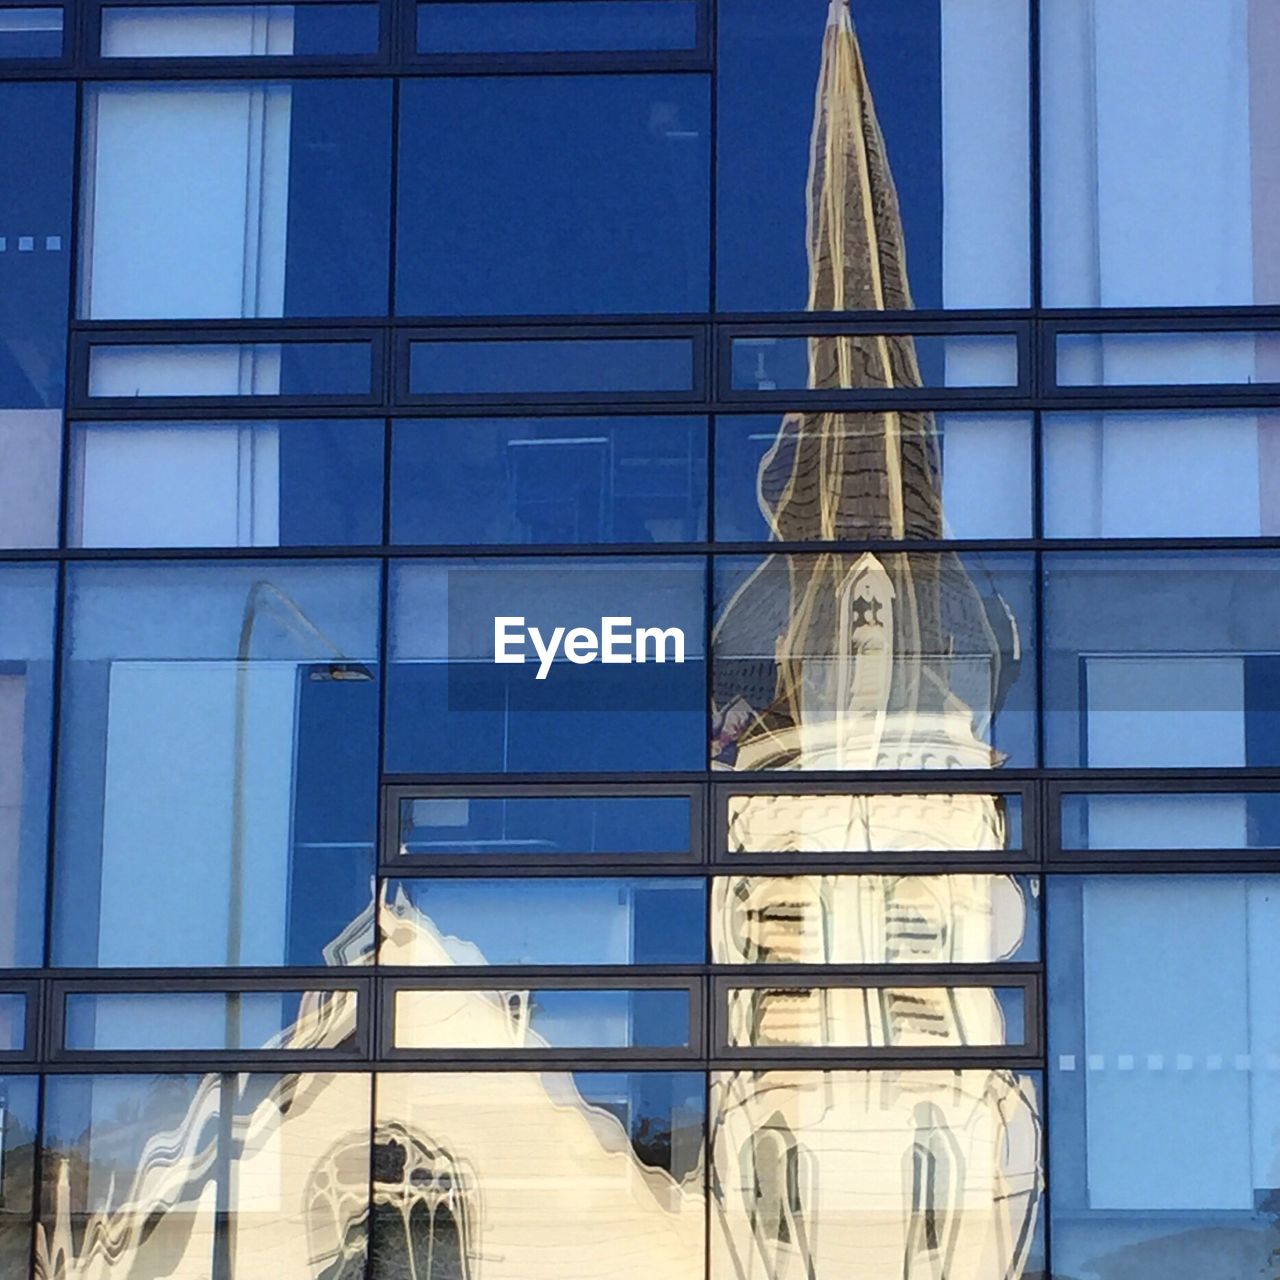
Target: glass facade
pixel 886 392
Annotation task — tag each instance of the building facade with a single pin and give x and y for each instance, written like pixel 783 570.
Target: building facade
pixel 895 378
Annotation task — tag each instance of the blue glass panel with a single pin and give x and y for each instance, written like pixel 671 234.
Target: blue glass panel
pixel 238 30
pixel 553 195
pixel 604 920
pixel 34 32
pixel 556 26
pixel 549 480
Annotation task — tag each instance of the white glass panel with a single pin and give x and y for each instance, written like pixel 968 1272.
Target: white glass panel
pixel 197 31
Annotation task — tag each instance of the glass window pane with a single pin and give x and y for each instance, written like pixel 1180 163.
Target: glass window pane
pixel 1209 474
pixel 36 148
pixel 555 195
pixel 873 156
pixel 557 26
pixel 201 1176
pixel 237 199
pixel 885 1167
pixel 972 471
pixel 13 1026
pixel 219 744
pixel 453 708
pixel 603 920
pixel 26 728
pixel 1165 1099
pixel 1158 167
pixel 939 1018
pixel 31 33
pixel 226 484
pixel 888 661
pixel 874 919
pixel 238 30
pixel 1162 660
pixel 115 1021
pixel 18 1104
pixel 1211 820
pixel 555 1174
pixel 774 822
pixel 228 370
pixel 874 362
pixel 1168 359
pixel 549 481
pixel 551 367
pixel 542 1018
pixel 545 826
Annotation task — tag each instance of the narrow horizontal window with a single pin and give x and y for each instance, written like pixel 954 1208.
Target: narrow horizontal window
pixel 943 1018
pixel 1168 359
pixel 883 362
pixel 226 484
pixel 13 1022
pixel 557 26
pixel 874 919
pixel 559 826
pixel 31 33
pixel 543 1018
pixel 597 921
pixel 551 366
pixel 230 370
pixel 1209 820
pixel 147 1021
pixel 774 823
pixel 238 30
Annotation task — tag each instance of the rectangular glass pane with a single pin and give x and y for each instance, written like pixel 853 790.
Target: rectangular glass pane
pixel 19 1099
pixel 542 1018
pixel 1164 660
pixel 219 747
pixel 557 26
pixel 884 1167
pixel 13 1022
pixel 965 475
pixel 549 481
pixel 453 707
pixel 226 484
pixel 228 370
pixel 873 156
pixel 551 1174
pixel 773 823
pixel 116 1021
pixel 1157 167
pixel 1163 821
pixel 215 1175
pixel 881 1017
pixel 544 826
pixel 551 366
pixel 27 595
pixel 874 919
pixel 1168 359
pixel 238 30
pixel 555 196
pixel 1207 474
pixel 31 33
pixel 883 362
pixel 872 661
pixel 235 199
pixel 1165 1073
pixel 604 920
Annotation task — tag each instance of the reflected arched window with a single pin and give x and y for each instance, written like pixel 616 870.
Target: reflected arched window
pixel 779 1173
pixel 936 1178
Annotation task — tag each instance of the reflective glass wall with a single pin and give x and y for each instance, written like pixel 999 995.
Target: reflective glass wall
pixel 655 619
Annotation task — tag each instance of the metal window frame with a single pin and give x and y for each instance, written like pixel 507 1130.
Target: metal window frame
pixel 504 978
pixel 168 983
pixel 1022 978
pixel 392 862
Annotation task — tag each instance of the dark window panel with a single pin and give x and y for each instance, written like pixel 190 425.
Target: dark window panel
pixel 549 480
pixel 553 195
pixel 34 32
pixel 557 26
